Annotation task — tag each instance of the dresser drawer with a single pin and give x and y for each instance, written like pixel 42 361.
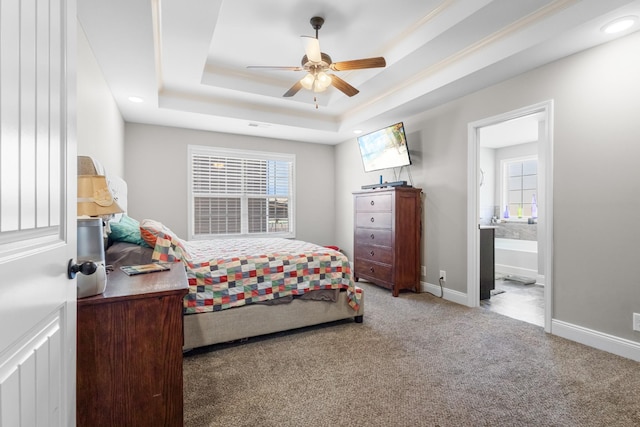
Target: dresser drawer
pixel 382 254
pixel 373 219
pixel 369 269
pixel 373 202
pixel 367 236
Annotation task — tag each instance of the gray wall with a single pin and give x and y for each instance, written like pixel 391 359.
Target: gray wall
pixel 100 128
pixel 156 170
pixel 596 181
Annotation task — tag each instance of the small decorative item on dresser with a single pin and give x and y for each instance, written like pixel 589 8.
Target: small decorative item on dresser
pixel 132 270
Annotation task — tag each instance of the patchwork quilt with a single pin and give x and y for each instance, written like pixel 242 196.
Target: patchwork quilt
pixel 229 273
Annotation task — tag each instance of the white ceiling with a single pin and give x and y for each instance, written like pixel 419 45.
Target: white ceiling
pixel 511 132
pixel 188 58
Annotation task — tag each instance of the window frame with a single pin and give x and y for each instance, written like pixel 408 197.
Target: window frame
pixel 504 180
pixel 193 150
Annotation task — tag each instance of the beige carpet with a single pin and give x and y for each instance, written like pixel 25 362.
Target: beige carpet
pixel 416 360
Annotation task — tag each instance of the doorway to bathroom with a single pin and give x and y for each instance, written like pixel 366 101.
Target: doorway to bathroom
pixel 509 214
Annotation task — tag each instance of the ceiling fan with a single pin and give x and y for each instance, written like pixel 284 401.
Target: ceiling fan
pixel 317 64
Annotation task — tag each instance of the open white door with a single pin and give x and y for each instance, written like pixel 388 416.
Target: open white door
pixel 37 212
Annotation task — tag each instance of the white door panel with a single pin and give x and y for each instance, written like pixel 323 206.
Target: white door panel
pixel 34 361
pixel 37 212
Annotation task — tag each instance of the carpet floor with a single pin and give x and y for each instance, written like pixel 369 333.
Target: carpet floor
pixel 417 360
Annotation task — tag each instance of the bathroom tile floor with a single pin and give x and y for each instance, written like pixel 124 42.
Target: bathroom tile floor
pixel 518 301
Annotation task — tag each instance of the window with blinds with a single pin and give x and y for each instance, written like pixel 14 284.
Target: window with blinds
pixel 238 192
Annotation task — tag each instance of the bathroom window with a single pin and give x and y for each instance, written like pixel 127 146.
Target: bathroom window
pixel 520 186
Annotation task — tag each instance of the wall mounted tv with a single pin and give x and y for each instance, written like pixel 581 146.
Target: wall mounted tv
pixel 385 148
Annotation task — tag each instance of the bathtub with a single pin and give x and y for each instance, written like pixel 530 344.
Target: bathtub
pixel 518 257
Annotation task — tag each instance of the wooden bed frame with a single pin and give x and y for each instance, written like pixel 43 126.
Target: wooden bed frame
pixel 233 324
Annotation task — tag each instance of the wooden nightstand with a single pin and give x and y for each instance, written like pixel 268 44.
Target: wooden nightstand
pixel 129 354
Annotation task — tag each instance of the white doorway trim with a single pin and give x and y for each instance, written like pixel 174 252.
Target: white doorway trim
pixel 545 208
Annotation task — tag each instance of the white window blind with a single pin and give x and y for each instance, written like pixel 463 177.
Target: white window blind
pixel 238 192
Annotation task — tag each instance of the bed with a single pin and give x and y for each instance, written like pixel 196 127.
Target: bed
pixel 242 288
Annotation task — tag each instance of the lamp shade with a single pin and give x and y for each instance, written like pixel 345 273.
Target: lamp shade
pixel 94 196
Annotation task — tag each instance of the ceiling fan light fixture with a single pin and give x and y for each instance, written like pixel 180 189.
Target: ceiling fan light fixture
pixel 316 63
pixel 316 81
pixel 307 81
pixel 323 81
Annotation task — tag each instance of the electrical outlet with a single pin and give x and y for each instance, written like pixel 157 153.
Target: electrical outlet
pixel 423 271
pixel 636 322
pixel 443 275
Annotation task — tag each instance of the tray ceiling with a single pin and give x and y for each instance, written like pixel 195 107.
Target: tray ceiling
pixel 187 59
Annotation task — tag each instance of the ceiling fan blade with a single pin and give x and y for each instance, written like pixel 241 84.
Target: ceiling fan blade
pixel 358 64
pixel 269 67
pixel 294 89
pixel 312 48
pixel 343 86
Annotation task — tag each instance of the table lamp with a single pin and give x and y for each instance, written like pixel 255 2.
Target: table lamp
pixel 95 202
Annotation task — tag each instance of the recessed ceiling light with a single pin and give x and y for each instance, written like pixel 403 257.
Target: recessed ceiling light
pixel 357 131
pixel 135 99
pixel 620 25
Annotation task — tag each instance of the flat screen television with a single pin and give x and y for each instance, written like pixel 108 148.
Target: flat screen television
pixel 385 148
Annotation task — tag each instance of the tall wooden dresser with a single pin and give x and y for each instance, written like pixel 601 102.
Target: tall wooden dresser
pixel 129 366
pixel 387 234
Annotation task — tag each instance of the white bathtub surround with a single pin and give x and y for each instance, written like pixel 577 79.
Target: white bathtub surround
pixel 517 257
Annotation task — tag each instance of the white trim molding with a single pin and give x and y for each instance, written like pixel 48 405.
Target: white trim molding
pixel 595 339
pixel 447 294
pixel 609 343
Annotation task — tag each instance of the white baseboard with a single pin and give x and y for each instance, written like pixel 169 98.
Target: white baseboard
pixel 448 294
pixel 609 343
pixel 605 342
pixel 507 269
pixel 516 271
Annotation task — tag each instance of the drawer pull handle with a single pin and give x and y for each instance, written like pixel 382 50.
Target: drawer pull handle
pixel 372 219
pixel 373 203
pixel 371 269
pixel 372 236
pixel 372 253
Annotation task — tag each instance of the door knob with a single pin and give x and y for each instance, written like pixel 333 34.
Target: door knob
pixel 86 268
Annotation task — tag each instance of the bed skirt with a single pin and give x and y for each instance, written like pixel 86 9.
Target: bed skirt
pixel 204 329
